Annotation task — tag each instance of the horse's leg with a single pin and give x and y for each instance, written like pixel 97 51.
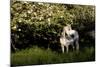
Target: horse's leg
pixel 62 47
pixel 67 48
pixel 73 46
pixel 77 45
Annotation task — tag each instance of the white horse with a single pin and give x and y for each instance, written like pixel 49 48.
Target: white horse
pixel 69 37
pixel 65 42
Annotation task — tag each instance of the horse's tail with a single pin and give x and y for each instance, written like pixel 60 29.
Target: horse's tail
pixel 76 36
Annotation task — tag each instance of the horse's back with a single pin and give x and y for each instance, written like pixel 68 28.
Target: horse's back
pixel 74 34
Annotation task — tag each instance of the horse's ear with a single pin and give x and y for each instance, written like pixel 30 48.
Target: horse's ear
pixel 68 24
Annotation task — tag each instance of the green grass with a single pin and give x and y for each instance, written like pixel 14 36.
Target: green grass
pixel 36 56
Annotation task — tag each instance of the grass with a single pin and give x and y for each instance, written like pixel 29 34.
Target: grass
pixel 37 56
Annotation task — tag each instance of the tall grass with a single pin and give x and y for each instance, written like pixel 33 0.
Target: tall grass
pixel 37 56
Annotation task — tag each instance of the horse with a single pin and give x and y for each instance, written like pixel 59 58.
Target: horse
pixel 69 37
pixel 65 42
